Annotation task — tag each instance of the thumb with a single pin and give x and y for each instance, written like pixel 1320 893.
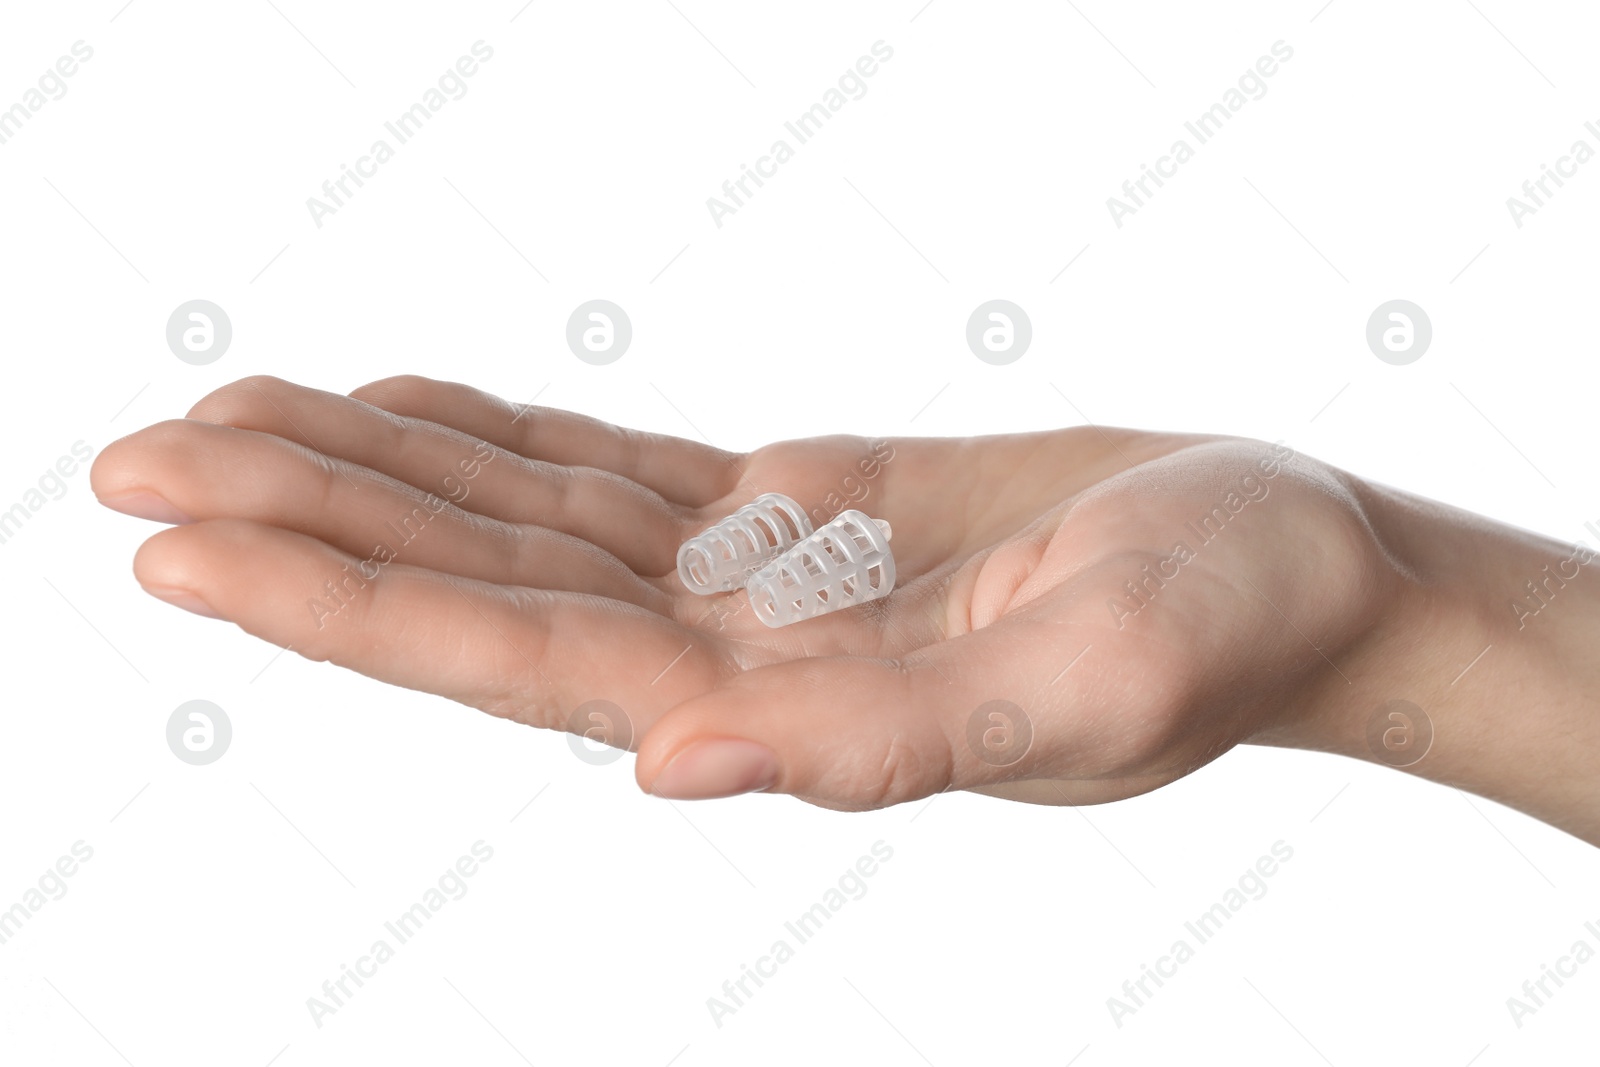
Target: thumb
pixel 857 733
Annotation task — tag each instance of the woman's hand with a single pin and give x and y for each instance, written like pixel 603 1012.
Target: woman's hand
pixel 1081 615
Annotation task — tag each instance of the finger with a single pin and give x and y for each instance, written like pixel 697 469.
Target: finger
pixel 684 472
pixel 525 654
pixel 861 733
pixel 215 472
pixel 620 516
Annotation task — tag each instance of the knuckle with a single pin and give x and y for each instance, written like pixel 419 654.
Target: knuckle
pixel 247 400
pixel 395 390
pixel 170 434
pixel 914 759
pixel 907 770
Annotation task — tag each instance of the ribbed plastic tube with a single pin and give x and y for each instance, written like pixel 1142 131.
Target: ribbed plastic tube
pixel 722 557
pixel 845 563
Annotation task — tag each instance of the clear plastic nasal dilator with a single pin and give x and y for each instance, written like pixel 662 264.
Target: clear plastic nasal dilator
pixel 722 557
pixel 845 563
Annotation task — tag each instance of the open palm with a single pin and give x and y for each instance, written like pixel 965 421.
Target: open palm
pixel 521 560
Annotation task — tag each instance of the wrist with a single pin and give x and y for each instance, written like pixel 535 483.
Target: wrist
pixel 1478 671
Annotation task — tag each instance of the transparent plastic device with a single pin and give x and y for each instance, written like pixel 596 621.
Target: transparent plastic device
pixel 845 563
pixel 721 558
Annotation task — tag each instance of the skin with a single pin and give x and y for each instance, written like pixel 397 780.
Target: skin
pixel 544 577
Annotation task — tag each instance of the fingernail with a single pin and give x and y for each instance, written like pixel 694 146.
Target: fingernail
pixel 717 768
pixel 146 505
pixel 182 598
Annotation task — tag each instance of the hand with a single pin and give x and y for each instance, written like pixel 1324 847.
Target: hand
pixel 1141 602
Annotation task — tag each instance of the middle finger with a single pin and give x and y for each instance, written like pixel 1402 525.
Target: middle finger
pixel 624 518
pixel 215 472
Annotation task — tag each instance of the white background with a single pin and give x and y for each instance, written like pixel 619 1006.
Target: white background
pixel 978 164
